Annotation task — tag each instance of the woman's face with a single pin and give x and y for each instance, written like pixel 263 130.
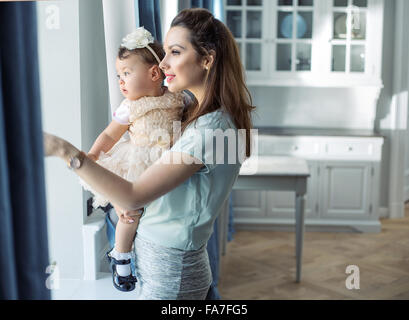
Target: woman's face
pixel 133 77
pixel 181 63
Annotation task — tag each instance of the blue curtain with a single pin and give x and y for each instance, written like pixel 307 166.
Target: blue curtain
pixel 214 6
pixel 23 227
pixel 208 4
pixel 148 15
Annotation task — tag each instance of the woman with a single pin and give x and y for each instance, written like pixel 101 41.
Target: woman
pixel 181 198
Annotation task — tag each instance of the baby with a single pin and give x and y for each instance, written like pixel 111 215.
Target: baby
pixel 148 110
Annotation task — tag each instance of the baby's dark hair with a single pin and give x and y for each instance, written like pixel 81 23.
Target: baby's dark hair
pixel 144 53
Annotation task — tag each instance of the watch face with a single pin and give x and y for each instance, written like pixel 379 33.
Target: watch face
pixel 75 163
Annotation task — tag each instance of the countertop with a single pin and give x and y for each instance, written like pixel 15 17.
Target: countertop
pixel 283 131
pixel 275 166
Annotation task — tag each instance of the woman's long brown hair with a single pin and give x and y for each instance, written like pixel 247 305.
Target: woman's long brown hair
pixel 225 85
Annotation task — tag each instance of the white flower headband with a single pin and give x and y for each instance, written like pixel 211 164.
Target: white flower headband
pixel 140 38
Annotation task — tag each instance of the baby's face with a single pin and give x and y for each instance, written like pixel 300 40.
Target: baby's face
pixel 133 77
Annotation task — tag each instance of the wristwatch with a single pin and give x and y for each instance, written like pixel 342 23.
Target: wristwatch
pixel 76 161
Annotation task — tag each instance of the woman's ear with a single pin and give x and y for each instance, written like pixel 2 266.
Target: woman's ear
pixel 155 73
pixel 209 60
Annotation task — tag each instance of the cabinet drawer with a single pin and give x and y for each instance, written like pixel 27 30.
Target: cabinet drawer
pixel 288 147
pixel 345 148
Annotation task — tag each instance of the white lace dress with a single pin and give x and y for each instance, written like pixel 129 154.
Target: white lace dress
pixel 150 121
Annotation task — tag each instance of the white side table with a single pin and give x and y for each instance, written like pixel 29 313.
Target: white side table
pixel 274 173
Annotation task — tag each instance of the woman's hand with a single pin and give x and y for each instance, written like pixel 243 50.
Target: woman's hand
pixel 126 216
pixel 53 145
pixel 58 147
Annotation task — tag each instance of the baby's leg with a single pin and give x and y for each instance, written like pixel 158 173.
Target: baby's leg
pixel 125 235
pixel 121 269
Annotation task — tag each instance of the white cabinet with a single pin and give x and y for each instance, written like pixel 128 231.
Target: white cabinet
pixel 342 190
pixel 346 190
pixel 322 43
pixel 249 203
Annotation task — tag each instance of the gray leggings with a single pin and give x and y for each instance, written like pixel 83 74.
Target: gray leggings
pixel 171 274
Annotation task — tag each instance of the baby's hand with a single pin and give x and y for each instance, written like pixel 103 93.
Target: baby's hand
pixel 128 217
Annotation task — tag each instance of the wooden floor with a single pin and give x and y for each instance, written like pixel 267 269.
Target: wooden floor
pixel 261 264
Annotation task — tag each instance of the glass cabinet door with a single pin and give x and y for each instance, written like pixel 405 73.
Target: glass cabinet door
pixel 244 18
pixel 349 24
pixel 307 42
pixel 293 41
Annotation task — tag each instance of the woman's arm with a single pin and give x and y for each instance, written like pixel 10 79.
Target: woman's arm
pixel 161 177
pixel 107 139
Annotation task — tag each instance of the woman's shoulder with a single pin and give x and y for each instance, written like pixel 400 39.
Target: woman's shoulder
pixel 218 119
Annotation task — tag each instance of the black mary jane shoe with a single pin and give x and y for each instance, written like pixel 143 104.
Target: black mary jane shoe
pixel 121 283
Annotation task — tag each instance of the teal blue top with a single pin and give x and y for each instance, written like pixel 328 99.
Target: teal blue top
pixel 184 217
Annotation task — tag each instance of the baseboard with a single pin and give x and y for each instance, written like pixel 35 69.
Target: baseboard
pixel 383 212
pixel 312 225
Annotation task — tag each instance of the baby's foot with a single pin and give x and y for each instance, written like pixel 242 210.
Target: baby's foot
pixel 122 277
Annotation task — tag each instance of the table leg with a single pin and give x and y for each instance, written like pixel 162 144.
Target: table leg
pixel 299 231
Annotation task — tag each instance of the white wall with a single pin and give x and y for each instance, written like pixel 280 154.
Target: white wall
pixel 119 20
pixel 93 72
pixel 74 95
pixel 382 123
pixel 395 123
pixel 311 107
pixel 168 10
